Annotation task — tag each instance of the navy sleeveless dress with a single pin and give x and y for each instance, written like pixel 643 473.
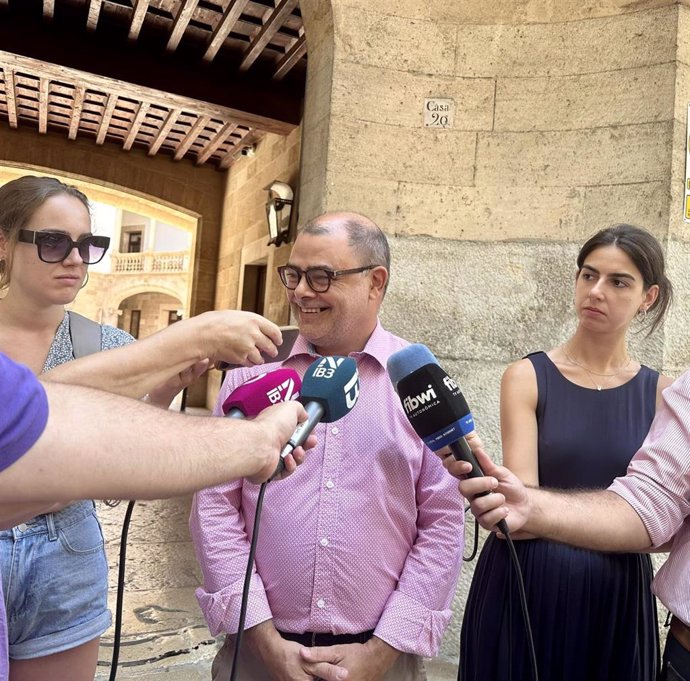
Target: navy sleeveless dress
pixel 593 614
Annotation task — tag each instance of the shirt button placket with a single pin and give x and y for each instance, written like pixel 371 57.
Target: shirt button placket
pixel 322 614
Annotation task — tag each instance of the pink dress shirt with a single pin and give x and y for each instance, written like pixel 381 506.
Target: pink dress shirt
pixel 366 534
pixel 657 486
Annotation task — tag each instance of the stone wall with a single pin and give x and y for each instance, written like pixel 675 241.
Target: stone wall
pixel 569 117
pixel 244 231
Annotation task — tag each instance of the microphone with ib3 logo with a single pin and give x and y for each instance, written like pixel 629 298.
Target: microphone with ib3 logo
pixel 329 391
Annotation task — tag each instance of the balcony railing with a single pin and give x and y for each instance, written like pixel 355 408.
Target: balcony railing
pixel 158 262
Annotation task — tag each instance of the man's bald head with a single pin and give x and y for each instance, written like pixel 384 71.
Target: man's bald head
pixel 364 236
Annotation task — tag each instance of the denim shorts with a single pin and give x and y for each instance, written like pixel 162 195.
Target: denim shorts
pixel 55 579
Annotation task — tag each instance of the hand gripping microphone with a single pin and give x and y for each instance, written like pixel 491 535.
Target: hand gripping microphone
pixel 434 405
pixel 253 396
pixel 329 391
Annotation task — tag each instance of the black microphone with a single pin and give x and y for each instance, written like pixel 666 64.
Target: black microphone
pixel 434 405
pixel 330 389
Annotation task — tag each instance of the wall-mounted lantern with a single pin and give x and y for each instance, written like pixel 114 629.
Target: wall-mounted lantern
pixel 278 210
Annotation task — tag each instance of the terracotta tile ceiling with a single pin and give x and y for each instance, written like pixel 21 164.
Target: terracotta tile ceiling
pixel 192 79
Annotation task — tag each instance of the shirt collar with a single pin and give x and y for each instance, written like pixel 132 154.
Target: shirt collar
pixel 378 346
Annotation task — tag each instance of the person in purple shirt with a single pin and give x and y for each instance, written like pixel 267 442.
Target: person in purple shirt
pixel 24 414
pixel 358 557
pixel 47 432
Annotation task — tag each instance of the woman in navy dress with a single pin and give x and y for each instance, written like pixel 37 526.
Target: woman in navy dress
pixel 573 417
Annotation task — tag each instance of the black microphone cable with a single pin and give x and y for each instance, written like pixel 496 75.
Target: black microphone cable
pixel 523 600
pixel 247 580
pixel 475 543
pixel 120 590
pixel 503 527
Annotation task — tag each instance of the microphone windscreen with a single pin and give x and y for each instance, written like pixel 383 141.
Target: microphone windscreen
pixel 435 406
pixel 407 360
pixel 260 392
pixel 333 382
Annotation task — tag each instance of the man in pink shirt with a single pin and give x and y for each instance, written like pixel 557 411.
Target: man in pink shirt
pixel 646 509
pixel 358 558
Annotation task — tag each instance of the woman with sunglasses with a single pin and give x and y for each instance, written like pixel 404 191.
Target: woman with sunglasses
pixel 54 568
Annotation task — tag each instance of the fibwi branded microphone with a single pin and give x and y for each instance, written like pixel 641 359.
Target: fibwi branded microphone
pixel 434 405
pixel 405 361
pixel 253 396
pixel 330 389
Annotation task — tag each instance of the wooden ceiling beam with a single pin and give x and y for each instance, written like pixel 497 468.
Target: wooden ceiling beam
pixel 193 133
pixel 230 17
pixel 180 24
pixel 140 93
pixel 77 106
pixel 268 30
pixel 105 118
pixel 215 142
pixel 43 87
pixel 106 61
pixel 138 16
pixel 11 97
pixel 292 56
pixel 94 12
pixel 163 132
pixel 136 125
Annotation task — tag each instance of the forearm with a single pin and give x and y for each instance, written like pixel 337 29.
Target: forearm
pixel 598 520
pixel 263 638
pixel 133 370
pixel 98 445
pixel 13 514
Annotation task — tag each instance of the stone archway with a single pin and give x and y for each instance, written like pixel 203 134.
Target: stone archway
pixel 144 313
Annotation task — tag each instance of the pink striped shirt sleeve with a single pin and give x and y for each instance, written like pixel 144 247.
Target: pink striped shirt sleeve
pixel 657 486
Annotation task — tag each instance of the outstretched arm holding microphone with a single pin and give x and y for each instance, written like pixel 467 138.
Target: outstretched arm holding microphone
pixel 91 444
pixel 186 347
pixel 166 454
pixel 60 442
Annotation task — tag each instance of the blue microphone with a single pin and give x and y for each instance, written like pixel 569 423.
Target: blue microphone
pixel 330 389
pixel 405 361
pixel 434 405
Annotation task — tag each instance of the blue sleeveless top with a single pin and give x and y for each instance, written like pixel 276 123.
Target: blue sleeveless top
pixel 593 614
pixel 587 436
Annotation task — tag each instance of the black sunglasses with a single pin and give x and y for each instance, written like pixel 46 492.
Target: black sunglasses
pixel 318 278
pixel 55 246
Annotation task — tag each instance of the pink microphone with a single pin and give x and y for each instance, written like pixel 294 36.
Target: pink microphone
pixel 253 396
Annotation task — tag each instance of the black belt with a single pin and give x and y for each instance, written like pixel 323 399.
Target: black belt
pixel 312 638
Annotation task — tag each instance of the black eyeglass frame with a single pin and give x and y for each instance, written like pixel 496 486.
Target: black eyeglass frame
pixel 330 274
pixel 29 236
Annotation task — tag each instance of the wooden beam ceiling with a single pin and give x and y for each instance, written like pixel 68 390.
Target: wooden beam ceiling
pixel 191 78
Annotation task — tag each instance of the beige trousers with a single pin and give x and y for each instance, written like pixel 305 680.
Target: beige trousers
pixel 406 668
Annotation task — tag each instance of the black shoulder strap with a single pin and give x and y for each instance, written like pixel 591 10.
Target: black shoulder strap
pixel 85 335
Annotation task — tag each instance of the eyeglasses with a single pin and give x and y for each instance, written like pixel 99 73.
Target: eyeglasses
pixel 55 246
pixel 318 278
